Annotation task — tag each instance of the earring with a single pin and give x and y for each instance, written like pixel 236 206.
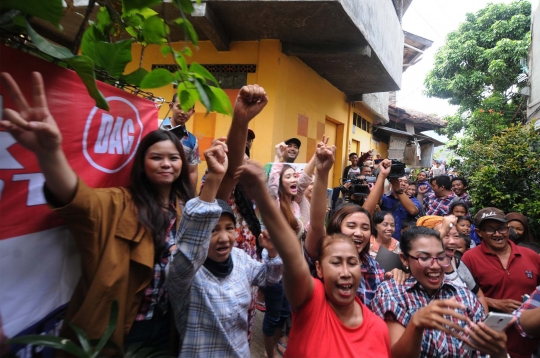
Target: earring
pixel 407 268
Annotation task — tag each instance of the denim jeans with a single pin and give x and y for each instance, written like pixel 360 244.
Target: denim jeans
pixel 277 308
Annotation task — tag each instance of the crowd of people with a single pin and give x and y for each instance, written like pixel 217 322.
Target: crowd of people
pixel 269 239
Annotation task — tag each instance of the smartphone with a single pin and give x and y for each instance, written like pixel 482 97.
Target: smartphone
pixel 495 321
pixel 526 297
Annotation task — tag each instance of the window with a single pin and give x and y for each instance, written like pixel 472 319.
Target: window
pixel 361 123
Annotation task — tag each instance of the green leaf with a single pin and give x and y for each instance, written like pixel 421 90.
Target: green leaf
pixel 103 19
pixel 220 101
pixel 181 61
pixel 90 37
pixel 155 30
pixel 50 10
pixel 198 69
pixel 135 77
pixel 113 319
pixel 185 5
pixel 83 338
pixel 186 51
pixel 55 51
pixel 143 13
pixel 157 78
pixel 138 4
pixel 166 50
pixel 112 57
pixel 85 69
pixel 187 94
pixel 49 341
pixel 188 30
pixel 203 95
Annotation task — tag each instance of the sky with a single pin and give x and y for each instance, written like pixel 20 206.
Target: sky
pixel 434 19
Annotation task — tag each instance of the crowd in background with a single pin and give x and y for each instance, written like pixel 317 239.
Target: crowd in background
pixel 392 265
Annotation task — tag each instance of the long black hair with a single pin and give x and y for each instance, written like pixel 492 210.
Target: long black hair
pixel 148 205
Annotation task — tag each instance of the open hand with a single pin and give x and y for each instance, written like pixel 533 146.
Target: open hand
pixel 216 157
pixel 325 156
pixel 505 305
pixel 32 126
pixel 250 101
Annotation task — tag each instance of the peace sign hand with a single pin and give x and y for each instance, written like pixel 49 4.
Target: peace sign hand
pixel 32 126
pixel 324 156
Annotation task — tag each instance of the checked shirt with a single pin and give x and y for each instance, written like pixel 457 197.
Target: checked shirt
pixel 398 303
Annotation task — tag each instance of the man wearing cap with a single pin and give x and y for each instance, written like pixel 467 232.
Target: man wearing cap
pixel 291 152
pixel 504 271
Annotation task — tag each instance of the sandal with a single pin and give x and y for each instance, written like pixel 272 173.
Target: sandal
pixel 282 346
pixel 261 306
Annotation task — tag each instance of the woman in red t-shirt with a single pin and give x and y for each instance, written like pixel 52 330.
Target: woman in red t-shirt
pixel 328 318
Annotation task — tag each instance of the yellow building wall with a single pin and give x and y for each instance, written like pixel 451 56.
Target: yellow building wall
pixel 300 101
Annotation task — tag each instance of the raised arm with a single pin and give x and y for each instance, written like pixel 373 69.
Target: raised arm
pixel 376 193
pixel 297 280
pixel 403 197
pixel 249 103
pixel 34 128
pixel 324 159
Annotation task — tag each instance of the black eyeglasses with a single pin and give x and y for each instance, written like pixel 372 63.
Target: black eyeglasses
pixel 443 261
pixel 500 230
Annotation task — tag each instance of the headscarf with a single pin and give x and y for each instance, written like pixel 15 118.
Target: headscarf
pixel 429 221
pixel 527 237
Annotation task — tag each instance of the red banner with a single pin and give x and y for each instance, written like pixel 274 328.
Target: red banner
pixel 99 145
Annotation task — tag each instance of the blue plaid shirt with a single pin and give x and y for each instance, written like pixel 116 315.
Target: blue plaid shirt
pixel 211 313
pixel 394 302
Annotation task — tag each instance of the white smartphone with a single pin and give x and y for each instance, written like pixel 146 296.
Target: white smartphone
pixel 495 321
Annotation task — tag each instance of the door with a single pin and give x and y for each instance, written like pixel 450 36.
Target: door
pixel 355 148
pixel 330 130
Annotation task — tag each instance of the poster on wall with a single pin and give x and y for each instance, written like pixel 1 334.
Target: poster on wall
pixel 39 264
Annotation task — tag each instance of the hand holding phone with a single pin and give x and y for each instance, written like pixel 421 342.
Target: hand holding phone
pixel 495 321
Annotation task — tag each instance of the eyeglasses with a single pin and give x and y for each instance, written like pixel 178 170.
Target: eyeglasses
pixel 500 230
pixel 443 261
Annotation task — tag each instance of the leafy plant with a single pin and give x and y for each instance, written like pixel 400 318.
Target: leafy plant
pixel 89 348
pixel 505 172
pixel 104 47
pixel 478 67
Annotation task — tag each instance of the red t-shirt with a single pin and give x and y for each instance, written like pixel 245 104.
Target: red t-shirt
pixel 317 332
pixel 521 276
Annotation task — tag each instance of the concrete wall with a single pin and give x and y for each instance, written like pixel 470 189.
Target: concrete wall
pixel 378 21
pixel 533 109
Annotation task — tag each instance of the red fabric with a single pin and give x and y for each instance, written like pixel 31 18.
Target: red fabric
pixel 317 332
pixel 521 276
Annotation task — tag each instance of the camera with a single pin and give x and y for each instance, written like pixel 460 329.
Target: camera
pixel 397 170
pixel 179 131
pixel 360 185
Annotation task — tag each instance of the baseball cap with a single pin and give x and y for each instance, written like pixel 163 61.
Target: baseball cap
pixel 293 141
pixel 251 134
pixel 226 209
pixel 489 213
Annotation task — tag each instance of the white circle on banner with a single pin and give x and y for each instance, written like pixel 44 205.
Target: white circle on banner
pixel 102 146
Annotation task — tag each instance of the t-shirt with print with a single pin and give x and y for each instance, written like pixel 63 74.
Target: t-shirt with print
pixel 318 332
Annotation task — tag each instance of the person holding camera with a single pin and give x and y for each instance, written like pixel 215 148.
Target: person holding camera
pixel 397 201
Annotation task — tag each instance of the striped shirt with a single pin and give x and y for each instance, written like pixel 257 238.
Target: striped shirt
pixel 398 303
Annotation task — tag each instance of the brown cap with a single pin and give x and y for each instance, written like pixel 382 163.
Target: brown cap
pixel 489 214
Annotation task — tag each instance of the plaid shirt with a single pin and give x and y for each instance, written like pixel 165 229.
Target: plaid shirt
pixel 210 312
pixel 532 302
pixel 155 297
pixel 398 303
pixel 372 276
pixel 438 206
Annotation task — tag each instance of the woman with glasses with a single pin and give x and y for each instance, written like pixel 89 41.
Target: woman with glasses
pixel 429 316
